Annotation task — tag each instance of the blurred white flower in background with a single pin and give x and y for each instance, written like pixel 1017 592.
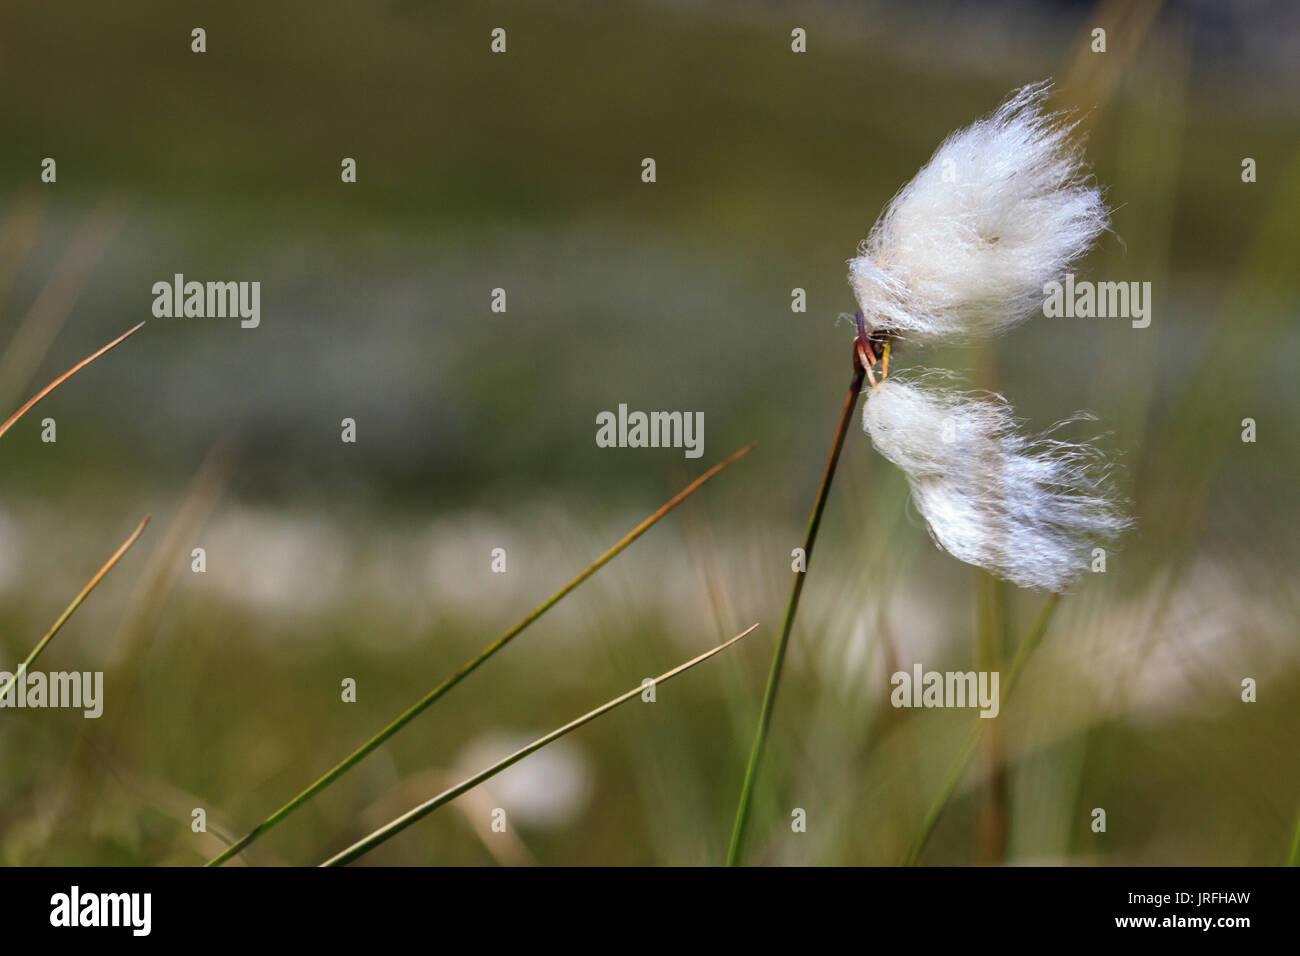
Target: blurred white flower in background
pixel 273 560
pixel 547 789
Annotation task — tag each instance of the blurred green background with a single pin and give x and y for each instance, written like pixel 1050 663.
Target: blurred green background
pixel 476 430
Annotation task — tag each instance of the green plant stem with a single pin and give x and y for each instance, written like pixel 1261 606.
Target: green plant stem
pixel 1295 846
pixel 411 816
pixel 71 608
pixel 792 606
pixel 990 648
pixel 1031 641
pixel 469 667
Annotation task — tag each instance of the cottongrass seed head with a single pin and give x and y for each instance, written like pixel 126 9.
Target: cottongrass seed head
pixel 1029 509
pixel 964 249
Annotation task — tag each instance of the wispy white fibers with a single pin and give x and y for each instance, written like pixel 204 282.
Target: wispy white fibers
pixel 1030 509
pixel 964 250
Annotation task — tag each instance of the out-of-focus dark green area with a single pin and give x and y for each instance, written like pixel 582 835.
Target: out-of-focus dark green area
pixel 476 429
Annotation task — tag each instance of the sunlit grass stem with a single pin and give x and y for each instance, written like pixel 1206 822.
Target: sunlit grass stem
pixel 411 816
pixel 958 770
pixel 470 666
pixel 792 606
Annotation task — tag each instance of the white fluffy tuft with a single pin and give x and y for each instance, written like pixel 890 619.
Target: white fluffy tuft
pixel 964 250
pixel 1029 509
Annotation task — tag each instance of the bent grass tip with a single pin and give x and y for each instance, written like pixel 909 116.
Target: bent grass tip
pixel 31 402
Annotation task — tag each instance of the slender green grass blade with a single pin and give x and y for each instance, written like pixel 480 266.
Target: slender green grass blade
pixel 791 608
pixel 411 816
pixel 470 666
pixel 71 608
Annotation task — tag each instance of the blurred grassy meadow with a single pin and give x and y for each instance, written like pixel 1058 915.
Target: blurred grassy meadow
pixel 476 431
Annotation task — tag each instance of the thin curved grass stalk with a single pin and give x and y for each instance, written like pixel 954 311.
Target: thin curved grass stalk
pixel 792 607
pixel 992 810
pixel 1295 846
pixel 18 230
pixel 415 814
pixel 31 402
pixel 470 666
pixel 144 607
pixel 1026 648
pixel 71 609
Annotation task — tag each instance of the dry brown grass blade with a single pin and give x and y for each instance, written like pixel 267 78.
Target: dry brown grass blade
pixel 145 606
pixel 65 376
pixel 1090 80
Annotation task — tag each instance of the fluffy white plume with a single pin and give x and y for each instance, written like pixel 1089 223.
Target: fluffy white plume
pixel 1029 509
pixel 965 248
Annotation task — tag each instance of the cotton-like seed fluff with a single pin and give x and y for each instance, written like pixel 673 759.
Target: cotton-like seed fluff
pixel 1030 509
pixel 964 249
